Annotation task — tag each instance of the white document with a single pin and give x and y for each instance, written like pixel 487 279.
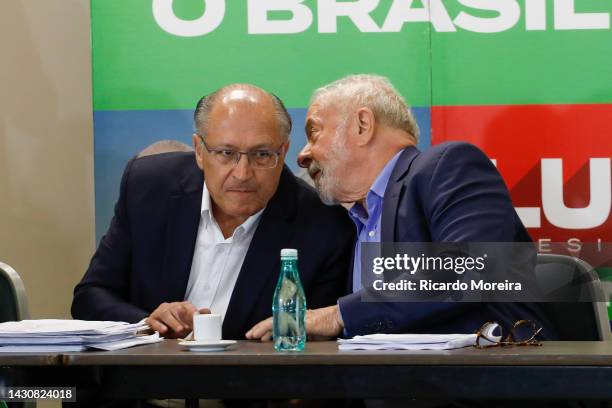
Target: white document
pixel 407 342
pixel 52 327
pixel 123 344
pixel 55 335
pixel 63 339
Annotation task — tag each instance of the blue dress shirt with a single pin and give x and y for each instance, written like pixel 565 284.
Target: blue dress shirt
pixel 368 221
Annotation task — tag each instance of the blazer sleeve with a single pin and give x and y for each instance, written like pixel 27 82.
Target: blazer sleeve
pixel 464 200
pixel 467 200
pixel 103 292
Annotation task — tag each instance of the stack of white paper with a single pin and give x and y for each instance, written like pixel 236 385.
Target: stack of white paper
pixel 53 335
pixel 407 342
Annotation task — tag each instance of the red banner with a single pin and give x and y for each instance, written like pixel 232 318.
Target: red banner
pixel 555 160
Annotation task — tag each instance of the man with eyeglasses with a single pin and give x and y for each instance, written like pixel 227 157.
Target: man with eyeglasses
pixel 200 232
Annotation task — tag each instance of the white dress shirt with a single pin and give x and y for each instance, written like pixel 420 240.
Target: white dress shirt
pixel 217 261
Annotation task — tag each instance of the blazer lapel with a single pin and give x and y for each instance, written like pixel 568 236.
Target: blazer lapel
pixel 393 193
pixel 182 230
pixel 262 262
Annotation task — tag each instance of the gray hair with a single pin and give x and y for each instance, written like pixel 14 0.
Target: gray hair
pixel 371 91
pixel 164 146
pixel 206 103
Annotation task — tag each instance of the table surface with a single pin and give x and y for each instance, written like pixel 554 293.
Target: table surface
pixel 250 369
pixel 30 359
pixel 169 352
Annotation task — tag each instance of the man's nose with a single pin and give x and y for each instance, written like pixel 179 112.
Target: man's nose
pixel 243 170
pixel 305 157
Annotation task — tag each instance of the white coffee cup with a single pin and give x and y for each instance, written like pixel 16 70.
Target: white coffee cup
pixel 207 327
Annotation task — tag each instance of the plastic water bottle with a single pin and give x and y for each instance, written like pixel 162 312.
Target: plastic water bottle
pixel 289 306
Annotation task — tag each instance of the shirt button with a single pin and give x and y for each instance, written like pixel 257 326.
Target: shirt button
pixel 371 234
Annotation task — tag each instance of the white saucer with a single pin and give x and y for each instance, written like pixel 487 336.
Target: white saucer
pixel 206 345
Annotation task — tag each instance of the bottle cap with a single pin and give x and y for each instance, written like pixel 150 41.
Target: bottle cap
pixel 289 253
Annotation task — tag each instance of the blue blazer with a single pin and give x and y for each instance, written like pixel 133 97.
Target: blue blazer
pixel 449 193
pixel 145 257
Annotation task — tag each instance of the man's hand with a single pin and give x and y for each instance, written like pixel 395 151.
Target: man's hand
pixel 173 320
pixel 324 322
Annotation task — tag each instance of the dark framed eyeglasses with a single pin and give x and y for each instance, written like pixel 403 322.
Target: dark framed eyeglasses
pixel 522 333
pixel 259 158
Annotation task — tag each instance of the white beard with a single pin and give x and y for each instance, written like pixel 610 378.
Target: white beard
pixel 328 181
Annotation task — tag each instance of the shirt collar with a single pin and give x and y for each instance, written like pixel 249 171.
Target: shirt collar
pixel 380 184
pixel 376 192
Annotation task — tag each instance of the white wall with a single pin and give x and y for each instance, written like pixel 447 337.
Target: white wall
pixel 46 148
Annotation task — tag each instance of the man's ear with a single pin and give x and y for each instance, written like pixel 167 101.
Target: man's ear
pixel 284 148
pixel 365 122
pixel 198 148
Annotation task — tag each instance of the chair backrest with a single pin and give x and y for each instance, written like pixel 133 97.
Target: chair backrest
pixel 574 319
pixel 13 302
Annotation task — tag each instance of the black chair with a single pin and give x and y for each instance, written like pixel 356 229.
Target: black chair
pixel 13 303
pixel 574 281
